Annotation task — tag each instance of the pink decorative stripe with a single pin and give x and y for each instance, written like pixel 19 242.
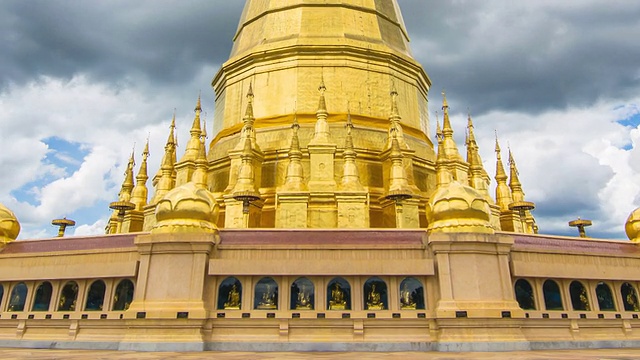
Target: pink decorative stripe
pixel 70 244
pixel 568 245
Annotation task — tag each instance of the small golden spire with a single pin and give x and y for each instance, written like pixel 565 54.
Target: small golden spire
pixel 398 182
pixel 443 175
pixel 248 121
pixel 450 148
pixel 294 179
pixel 245 189
pixel 164 180
pixel 503 193
pixel 350 175
pixel 140 191
pixel 200 174
pixel 127 184
pixel 198 107
pixel 514 181
pixel 322 134
pixel 478 178
pixel 395 126
pixel 322 104
pixel 193 145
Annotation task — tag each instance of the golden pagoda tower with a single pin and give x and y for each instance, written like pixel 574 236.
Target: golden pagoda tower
pixel 280 48
pixel 134 219
pixel 124 200
pixel 526 218
pixel 509 219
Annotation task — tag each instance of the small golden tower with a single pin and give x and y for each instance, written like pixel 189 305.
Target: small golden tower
pixel 242 210
pixel 187 164
pixel 164 181
pixel 523 208
pixel 134 219
pixel 352 197
pixel 293 197
pixel 124 203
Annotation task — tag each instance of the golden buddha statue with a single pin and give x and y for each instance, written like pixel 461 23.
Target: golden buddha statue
pixel 337 301
pixel 268 300
pixel 374 299
pixel 584 300
pixel 233 299
pixel 632 300
pixel 406 299
pixel 304 300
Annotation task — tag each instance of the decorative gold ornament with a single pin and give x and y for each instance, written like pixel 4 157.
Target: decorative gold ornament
pixel 632 226
pixel 9 225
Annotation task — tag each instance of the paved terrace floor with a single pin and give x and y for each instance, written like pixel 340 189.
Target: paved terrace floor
pixel 44 354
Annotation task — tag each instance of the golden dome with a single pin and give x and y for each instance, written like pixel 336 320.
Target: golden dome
pixel 632 226
pixel 187 208
pixel 9 225
pixel 458 208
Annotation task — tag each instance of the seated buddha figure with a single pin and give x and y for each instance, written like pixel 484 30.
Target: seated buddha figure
pixel 374 300
pixel 233 299
pixel 304 300
pixel 337 301
pixel 406 299
pixel 268 301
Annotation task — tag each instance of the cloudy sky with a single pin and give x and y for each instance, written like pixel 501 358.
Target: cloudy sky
pixel 82 81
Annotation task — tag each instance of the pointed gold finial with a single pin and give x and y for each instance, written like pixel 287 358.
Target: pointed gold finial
pixel 198 103
pixel 321 134
pixel 294 178
pixel 350 175
pixel 445 105
pixel 140 191
pixel 503 192
pixel 164 181
pixel 193 145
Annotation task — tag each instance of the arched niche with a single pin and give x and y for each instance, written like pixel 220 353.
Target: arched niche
pixel 123 295
pixel 629 297
pixel 579 297
pixel 230 294
pixel 18 297
pixel 302 294
pixel 338 294
pixel 68 297
pixel 95 296
pixel 266 294
pixel 552 296
pixel 375 294
pixel 42 299
pixel 524 295
pixel 411 294
pixel 605 297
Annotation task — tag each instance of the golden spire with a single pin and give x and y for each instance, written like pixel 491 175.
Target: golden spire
pixel 193 145
pixel 503 193
pixel 140 192
pixel 398 181
pixel 395 127
pixel 443 176
pixel 478 178
pixel 127 184
pixel 248 121
pixel 350 175
pixel 294 180
pixel 514 182
pixel 450 148
pixel 164 181
pixel 200 174
pixel 245 183
pixel 321 135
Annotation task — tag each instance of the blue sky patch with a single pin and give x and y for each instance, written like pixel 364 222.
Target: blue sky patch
pixel 632 121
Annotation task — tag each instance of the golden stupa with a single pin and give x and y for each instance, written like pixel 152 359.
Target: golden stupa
pixel 319 217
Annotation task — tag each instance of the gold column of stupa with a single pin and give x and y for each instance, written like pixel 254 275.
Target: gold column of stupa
pixel 284 49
